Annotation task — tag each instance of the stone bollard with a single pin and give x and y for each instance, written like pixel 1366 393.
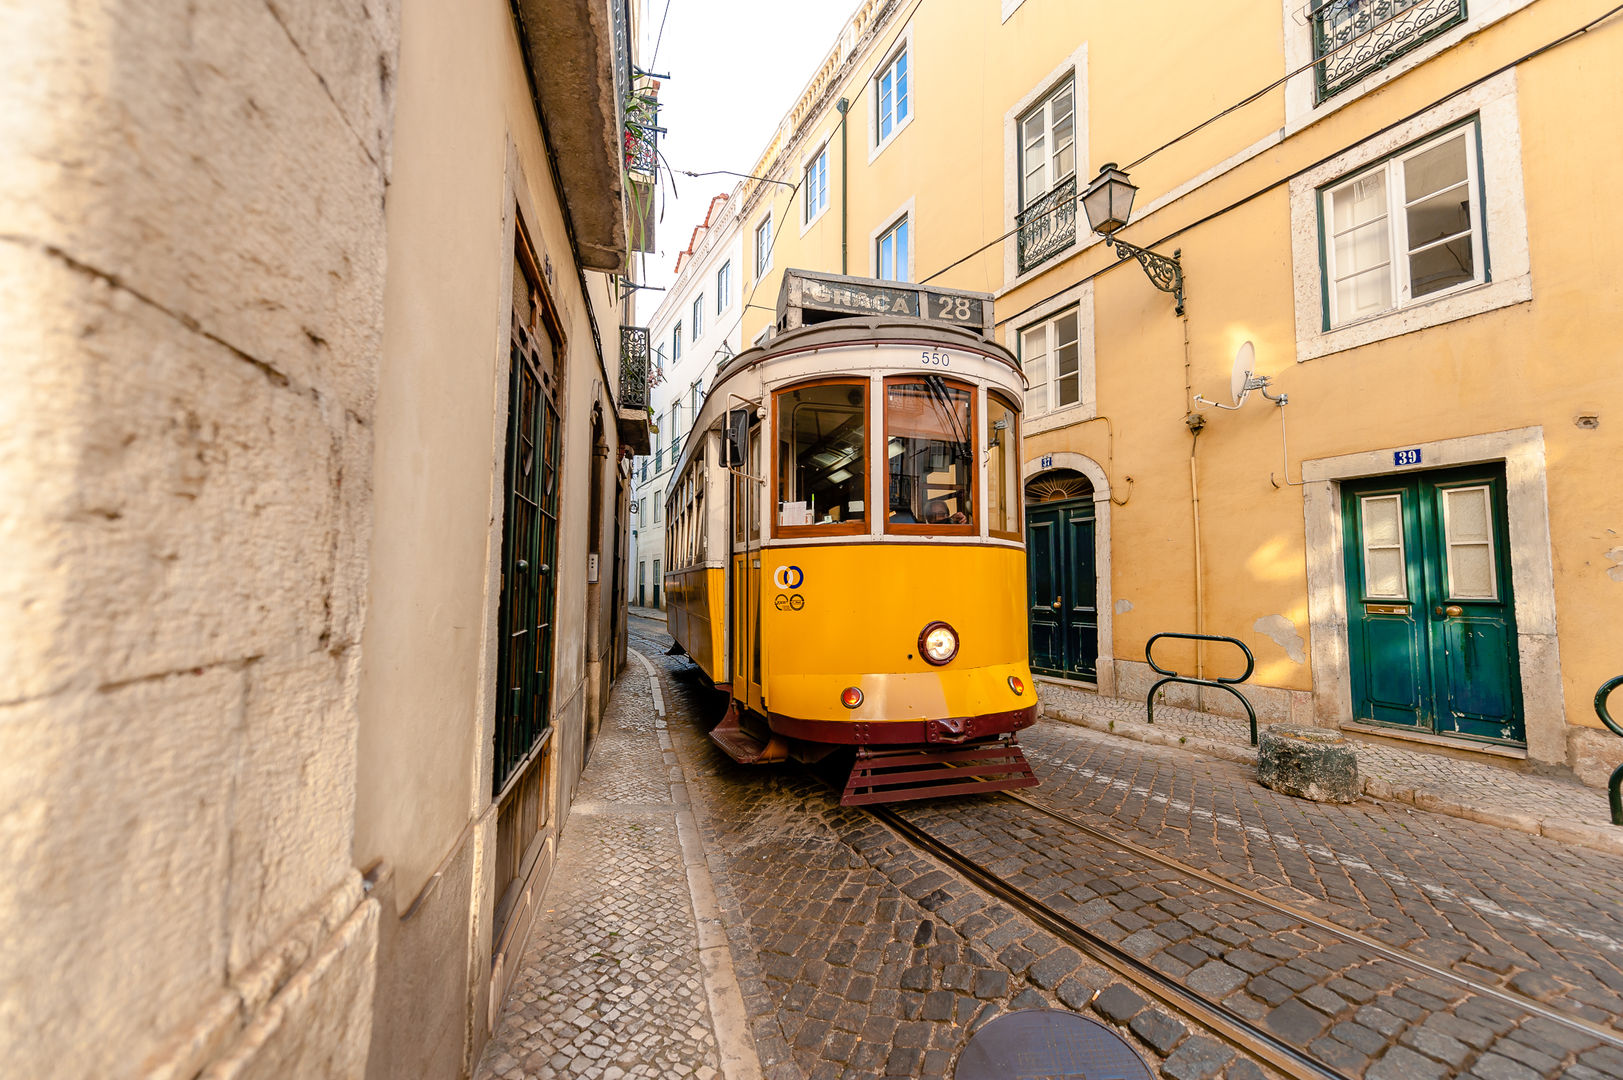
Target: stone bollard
pixel 1309 763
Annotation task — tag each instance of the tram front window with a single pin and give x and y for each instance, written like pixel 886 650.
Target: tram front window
pixel 929 436
pixel 821 466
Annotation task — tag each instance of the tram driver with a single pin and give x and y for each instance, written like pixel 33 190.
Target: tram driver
pixel 936 512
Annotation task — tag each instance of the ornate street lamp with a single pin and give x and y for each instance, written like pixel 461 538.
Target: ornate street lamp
pixel 1108 202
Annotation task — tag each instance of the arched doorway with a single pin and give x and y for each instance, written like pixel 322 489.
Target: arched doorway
pixel 1062 579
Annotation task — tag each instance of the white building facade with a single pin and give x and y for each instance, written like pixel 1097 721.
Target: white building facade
pixel 696 327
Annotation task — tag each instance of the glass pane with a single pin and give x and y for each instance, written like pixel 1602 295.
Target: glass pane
pixel 1364 294
pixel 820 458
pixel 1383 571
pixel 901 88
pixel 1440 216
pixel 1358 202
pixel 886 103
pixel 1466 516
pixel 1432 170
pixel 1470 572
pixel 1382 527
pixel 1034 359
pixel 1363 248
pixel 1002 466
pixel 1442 267
pixel 929 424
pixel 901 253
pixel 1064 135
pixel 887 256
pixel 1067 378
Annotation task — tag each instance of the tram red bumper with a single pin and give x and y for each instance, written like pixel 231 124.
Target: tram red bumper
pixel 949 730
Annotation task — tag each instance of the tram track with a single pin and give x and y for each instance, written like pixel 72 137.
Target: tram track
pixel 1241 1032
pixel 1214 1016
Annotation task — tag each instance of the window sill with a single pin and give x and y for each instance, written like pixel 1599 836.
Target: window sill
pixel 884 143
pixel 1036 424
pixel 1447 308
pixel 806 226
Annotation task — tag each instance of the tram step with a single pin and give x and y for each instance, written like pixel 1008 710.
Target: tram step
pixel 740 745
pixel 927 772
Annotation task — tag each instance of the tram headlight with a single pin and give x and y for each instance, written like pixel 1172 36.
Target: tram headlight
pixel 938 643
pixel 851 697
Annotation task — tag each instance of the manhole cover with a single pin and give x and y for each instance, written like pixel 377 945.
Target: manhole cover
pixel 1048 1044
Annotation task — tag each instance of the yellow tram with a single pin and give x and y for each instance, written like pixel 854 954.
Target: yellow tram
pixel 844 546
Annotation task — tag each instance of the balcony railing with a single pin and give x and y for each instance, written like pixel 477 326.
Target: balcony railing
pixel 1047 225
pixel 633 367
pixel 1355 38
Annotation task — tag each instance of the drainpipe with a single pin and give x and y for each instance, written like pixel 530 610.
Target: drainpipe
pixel 1196 423
pixel 843 106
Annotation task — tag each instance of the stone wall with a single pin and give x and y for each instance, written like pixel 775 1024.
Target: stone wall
pixel 192 254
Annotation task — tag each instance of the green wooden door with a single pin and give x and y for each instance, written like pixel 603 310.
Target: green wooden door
pixel 1431 621
pixel 1062 589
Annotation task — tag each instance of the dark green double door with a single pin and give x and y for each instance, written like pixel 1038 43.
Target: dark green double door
pixel 1062 589
pixel 1431 623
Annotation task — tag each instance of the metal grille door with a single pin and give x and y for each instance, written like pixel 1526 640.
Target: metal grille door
pixel 529 551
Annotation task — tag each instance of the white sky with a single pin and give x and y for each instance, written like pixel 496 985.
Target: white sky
pixel 735 68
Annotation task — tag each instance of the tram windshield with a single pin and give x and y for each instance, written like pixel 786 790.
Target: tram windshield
pixel 929 436
pixel 821 466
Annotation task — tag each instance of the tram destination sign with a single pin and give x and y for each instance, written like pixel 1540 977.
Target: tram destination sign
pixel 807 298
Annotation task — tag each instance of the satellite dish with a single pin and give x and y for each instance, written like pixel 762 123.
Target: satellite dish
pixel 1245 361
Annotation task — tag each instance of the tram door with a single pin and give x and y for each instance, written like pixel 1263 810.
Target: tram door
pixel 744 631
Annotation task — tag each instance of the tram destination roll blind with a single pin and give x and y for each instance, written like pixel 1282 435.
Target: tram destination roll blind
pixel 807 298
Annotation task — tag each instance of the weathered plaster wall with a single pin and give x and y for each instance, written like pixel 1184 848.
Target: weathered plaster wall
pixel 468 161
pixel 191 250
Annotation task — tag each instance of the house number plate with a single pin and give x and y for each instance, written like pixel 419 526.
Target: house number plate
pixel 1406 457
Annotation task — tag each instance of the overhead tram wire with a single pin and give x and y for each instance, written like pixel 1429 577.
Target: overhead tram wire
pixel 1554 43
pixel 653 61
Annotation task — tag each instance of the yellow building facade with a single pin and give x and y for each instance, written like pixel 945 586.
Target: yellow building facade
pixel 1392 212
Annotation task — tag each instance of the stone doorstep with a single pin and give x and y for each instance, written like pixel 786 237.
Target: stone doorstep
pixel 1607 838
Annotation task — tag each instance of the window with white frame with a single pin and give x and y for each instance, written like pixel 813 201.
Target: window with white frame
pixel 892 255
pixel 1406 230
pixel 724 286
pixel 676 343
pixel 1050 353
pixel 891 97
pixel 814 186
pixel 763 246
pixel 698 317
pixel 1047 135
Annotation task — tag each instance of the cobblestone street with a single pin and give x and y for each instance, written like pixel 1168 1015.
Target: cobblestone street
pixel 1382 941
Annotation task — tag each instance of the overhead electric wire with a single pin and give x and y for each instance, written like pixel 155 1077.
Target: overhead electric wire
pixel 654 60
pixel 1265 189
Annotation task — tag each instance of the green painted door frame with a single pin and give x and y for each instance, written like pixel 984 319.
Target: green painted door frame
pixel 1431 622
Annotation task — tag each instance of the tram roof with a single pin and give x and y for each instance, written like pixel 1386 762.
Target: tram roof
pixel 865 331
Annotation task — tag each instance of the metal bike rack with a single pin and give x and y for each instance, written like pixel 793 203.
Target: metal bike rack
pixel 1251 665
pixel 1613 785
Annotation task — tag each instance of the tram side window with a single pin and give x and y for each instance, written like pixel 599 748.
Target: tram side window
pixel 929 435
pixel 1002 467
pixel 821 467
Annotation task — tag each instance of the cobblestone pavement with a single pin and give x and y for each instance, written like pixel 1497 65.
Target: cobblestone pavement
pixel 610 985
pixel 1503 794
pixel 859 957
pixel 882 963
pixel 1532 914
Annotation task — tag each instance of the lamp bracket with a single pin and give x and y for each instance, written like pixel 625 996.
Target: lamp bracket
pixel 1164 273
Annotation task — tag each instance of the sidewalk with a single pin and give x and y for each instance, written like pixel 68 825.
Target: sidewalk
pixel 1561 809
pixel 626 970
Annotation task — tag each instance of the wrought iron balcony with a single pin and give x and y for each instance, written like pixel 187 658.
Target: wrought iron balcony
pixel 634 422
pixel 1048 225
pixel 633 367
pixel 1355 38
